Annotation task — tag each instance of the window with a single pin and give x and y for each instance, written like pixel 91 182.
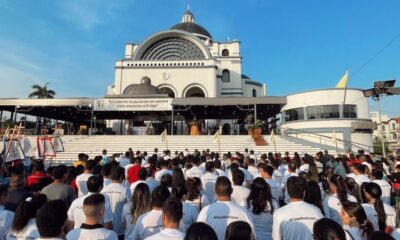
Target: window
pixel 294 114
pixel 393 126
pixel 349 111
pixel 254 92
pixel 383 128
pixel 394 136
pixel 226 76
pixel 325 111
pixel 225 52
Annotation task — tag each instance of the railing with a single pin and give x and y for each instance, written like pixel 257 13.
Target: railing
pixel 323 138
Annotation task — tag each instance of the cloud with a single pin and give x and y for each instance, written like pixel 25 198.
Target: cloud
pixel 88 14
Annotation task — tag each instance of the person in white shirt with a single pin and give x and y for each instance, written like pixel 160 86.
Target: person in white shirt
pixel 118 195
pixel 261 205
pixel 150 223
pixel 332 203
pixel 223 212
pixel 6 216
pixel 164 170
pixel 251 168
pixel 76 216
pixel 94 209
pixel 171 216
pixel 195 170
pixel 291 173
pixel 277 175
pixel 81 180
pixel 105 172
pixel 326 228
pixel 54 212
pixel 267 173
pixel 296 219
pixel 359 174
pixel 140 204
pixel 190 212
pixel 218 168
pixel 386 214
pixel 123 162
pixel 355 221
pixel 208 180
pixel 234 166
pixel 24 223
pixel 240 193
pixel 377 176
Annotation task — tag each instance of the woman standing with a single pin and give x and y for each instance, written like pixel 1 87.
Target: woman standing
pixel 141 203
pixel 355 221
pixel 261 205
pixel 333 203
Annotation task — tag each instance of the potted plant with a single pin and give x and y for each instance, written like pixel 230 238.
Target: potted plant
pixel 257 133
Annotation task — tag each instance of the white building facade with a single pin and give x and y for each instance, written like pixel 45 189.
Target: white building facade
pixel 323 115
pixel 185 61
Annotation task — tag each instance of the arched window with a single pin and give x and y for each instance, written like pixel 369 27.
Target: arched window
pixel 169 91
pixel 225 52
pixel 226 76
pixel 195 92
pixel 254 93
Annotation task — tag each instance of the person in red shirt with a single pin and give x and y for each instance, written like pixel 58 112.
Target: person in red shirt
pixel 39 178
pixel 133 172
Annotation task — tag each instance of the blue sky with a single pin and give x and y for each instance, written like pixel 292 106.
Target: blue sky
pixel 290 45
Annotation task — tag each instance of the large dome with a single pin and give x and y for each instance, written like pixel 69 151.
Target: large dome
pixel 142 89
pixel 188 25
pixel 192 28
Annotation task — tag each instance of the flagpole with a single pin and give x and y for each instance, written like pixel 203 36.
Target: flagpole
pixel 345 93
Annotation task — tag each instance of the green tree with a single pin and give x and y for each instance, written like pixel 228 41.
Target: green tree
pixel 41 92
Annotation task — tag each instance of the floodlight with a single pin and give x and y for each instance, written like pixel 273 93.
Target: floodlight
pixel 384 84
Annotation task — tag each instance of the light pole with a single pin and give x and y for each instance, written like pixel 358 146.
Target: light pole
pixel 91 119
pixel 381 88
pixel 15 114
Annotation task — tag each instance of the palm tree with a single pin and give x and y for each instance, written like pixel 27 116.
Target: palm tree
pixel 41 92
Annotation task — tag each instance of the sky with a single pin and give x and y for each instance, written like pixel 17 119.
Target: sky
pixel 290 45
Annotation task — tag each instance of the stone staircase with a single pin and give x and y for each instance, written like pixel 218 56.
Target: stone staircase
pixel 93 145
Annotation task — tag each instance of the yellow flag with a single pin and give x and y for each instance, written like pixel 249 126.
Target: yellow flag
pixel 164 136
pixel 334 136
pixel 343 81
pixel 217 137
pixel 272 136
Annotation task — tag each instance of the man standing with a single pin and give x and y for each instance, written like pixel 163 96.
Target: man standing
pixel 171 216
pixel 81 180
pixel 295 221
pixel 58 189
pixel 51 218
pixel 94 209
pixel 267 173
pixel 223 212
pixel 208 180
pixel 76 215
pixel 118 195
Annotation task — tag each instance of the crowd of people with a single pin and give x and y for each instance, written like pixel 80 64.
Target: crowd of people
pixel 201 195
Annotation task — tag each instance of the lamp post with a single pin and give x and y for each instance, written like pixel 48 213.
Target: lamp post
pixel 15 114
pixel 91 119
pixel 381 88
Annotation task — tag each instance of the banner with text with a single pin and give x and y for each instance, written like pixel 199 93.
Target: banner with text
pixel 136 104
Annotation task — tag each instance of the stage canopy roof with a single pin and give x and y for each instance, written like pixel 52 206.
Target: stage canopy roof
pixel 79 110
